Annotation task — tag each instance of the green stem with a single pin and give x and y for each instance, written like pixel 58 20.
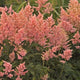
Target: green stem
pixel 20 6
pixel 62 6
pixel 61 71
pixel 62 2
pixel 57 13
pixel 43 62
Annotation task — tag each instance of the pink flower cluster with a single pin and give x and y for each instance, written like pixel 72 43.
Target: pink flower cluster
pixel 7 71
pixel 12 56
pixel 50 53
pixel 21 26
pixel 45 77
pixel 73 14
pixel 67 54
pixel 67 26
pixel 58 37
pixel 20 71
pixel 43 3
pixel 1 74
pixel 76 39
pixel 21 53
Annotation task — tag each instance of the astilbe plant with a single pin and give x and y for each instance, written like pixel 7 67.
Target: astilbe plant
pixel 16 28
pixel 71 19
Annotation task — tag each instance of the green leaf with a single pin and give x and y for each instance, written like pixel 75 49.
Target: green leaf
pixel 21 6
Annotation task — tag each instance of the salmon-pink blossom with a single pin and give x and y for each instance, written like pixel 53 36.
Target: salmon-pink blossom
pixel 22 52
pixel 12 56
pixel 20 70
pixel 1 74
pixel 77 47
pixel 19 57
pixel 45 77
pixel 76 38
pixel 67 54
pixel 72 14
pixel 50 53
pixel 10 75
pixel 8 67
pixel 62 61
pixel 40 3
pixel 67 26
pixel 18 78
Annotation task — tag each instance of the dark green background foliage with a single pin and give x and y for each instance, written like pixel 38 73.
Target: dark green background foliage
pixel 37 68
